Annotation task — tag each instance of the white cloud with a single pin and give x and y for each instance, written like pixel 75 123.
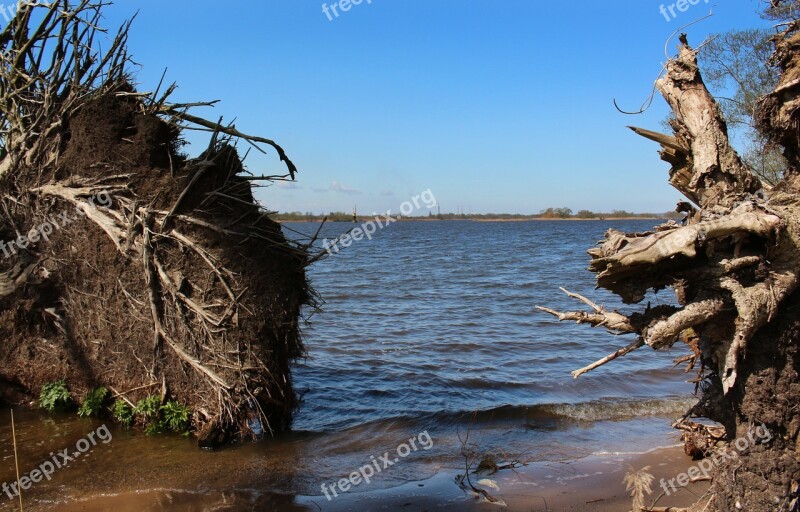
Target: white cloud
pixel 338 187
pixel 344 189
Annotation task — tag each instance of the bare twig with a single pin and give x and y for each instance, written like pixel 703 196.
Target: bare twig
pixel 619 353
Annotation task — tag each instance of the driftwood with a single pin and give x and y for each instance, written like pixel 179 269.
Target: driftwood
pixel 700 440
pixel 734 221
pixel 734 264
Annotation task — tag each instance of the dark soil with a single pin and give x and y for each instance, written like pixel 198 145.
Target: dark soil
pixel 86 316
pixel 765 477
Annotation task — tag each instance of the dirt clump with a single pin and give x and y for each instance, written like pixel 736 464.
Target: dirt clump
pixel 129 265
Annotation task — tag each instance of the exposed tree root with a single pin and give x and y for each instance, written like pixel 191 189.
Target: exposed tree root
pixel 735 267
pixel 180 277
pixel 613 321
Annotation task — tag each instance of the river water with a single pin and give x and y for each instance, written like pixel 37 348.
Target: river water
pixel 428 334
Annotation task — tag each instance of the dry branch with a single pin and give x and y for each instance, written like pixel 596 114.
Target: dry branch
pixel 619 353
pixel 600 318
pixel 102 217
pixel 49 72
pixel 178 113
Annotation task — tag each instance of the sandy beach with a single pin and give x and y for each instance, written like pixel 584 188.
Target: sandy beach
pixel 593 484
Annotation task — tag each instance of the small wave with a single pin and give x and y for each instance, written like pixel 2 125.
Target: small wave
pixel 542 415
pixel 592 411
pixel 615 409
pixel 629 454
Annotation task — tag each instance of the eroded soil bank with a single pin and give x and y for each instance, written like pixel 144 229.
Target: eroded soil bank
pixel 161 277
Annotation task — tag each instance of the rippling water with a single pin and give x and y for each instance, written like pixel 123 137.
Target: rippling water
pixel 429 326
pixel 434 319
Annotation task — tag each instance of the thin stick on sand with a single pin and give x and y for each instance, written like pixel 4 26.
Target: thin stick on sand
pixel 16 459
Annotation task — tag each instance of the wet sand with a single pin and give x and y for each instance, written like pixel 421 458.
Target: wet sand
pixel 593 484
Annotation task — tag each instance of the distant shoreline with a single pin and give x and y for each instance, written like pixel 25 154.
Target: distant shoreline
pixel 488 219
pixel 567 219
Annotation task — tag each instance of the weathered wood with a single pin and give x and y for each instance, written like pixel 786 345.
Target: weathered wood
pixel 710 173
pixel 718 176
pixel 16 277
pixel 735 268
pixel 666 332
pixel 619 256
pixel 667 141
pixel 601 317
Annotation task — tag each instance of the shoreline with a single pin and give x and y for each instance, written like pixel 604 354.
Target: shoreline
pixel 591 484
pixel 492 219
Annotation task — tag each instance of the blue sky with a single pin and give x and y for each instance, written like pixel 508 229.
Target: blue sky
pixel 496 106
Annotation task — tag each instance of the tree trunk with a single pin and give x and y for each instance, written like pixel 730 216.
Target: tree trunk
pixel 734 264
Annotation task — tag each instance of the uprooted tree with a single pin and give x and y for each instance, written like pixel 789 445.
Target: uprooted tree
pixel 734 264
pixel 126 264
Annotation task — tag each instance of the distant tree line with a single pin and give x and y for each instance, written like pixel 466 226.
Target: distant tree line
pixel 549 213
pixel 566 213
pixel 308 216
